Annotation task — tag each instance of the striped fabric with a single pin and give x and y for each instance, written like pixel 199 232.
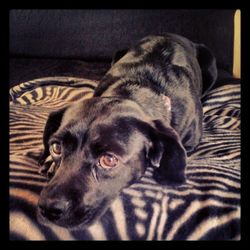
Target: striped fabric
pixel 207 207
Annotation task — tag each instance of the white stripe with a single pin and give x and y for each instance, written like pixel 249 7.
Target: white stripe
pixel 141 214
pixel 152 226
pixel 61 233
pixel 175 203
pixel 163 218
pixel 24 226
pixel 222 180
pixel 21 101
pixel 29 175
pixel 39 92
pixel 138 202
pixel 27 182
pixel 193 208
pixel 211 171
pixel 132 192
pixel 14 167
pixel 214 185
pixel 199 165
pixel 97 231
pixel 219 193
pixel 119 217
pixel 211 223
pixel 140 229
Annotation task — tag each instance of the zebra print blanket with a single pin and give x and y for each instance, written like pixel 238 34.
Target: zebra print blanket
pixel 207 207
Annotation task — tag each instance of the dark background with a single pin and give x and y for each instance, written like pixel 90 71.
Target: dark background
pixel 81 43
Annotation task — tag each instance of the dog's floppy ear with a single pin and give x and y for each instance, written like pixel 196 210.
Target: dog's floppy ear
pixel 118 55
pixel 208 67
pixel 168 153
pixel 52 125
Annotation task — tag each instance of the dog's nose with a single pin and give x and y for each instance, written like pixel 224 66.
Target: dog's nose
pixel 53 209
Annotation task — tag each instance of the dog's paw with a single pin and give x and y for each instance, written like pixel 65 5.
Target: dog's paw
pixel 173 180
pixel 47 169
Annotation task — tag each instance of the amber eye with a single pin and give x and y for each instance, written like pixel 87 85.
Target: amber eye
pixel 56 149
pixel 108 161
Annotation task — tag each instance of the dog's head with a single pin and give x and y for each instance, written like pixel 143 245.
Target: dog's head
pixel 98 147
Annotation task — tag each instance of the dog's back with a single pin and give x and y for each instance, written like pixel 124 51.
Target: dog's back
pixel 161 65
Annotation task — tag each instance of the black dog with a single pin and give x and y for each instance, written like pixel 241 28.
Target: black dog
pixel 146 110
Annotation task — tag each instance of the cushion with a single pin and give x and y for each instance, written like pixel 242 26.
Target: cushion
pixel 206 207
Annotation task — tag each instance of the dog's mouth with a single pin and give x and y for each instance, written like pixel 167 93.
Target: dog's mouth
pixel 75 219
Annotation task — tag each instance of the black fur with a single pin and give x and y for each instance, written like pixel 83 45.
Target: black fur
pixel 146 110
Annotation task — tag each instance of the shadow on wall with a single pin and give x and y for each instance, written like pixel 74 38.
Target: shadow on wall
pixel 96 34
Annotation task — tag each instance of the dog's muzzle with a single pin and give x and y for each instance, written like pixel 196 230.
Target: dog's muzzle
pixel 53 209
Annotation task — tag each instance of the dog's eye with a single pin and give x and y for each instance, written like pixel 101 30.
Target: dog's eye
pixel 56 149
pixel 108 161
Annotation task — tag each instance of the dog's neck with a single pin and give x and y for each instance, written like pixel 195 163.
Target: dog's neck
pixel 158 107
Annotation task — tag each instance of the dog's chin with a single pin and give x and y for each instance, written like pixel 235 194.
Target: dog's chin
pixel 73 222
